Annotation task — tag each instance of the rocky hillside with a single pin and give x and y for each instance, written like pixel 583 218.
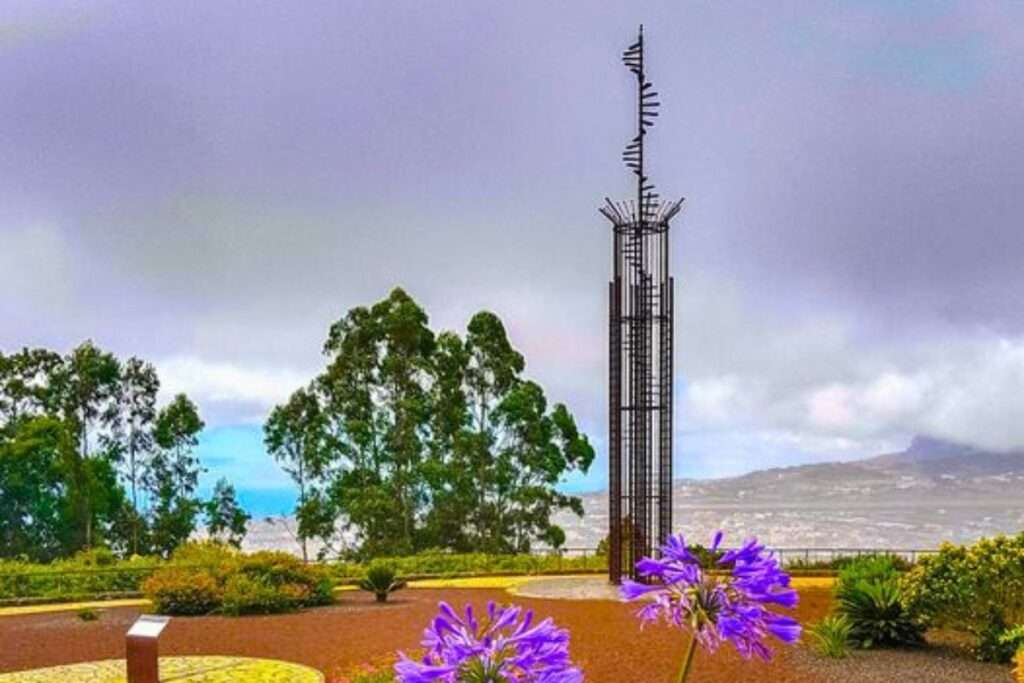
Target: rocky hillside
pixel 932 491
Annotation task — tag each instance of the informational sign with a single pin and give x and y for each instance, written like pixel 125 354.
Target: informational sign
pixel 148 626
pixel 141 649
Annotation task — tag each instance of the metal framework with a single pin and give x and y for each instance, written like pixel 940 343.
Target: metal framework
pixel 640 353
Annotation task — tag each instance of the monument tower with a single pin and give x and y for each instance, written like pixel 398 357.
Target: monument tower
pixel 640 353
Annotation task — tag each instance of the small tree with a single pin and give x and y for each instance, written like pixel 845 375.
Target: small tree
pixel 296 436
pixel 174 474
pixel 225 519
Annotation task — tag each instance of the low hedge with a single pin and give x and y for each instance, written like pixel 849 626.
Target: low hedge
pixel 86 575
pixel 448 565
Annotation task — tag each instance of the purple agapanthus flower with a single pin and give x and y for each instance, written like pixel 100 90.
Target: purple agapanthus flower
pixel 504 646
pixel 731 600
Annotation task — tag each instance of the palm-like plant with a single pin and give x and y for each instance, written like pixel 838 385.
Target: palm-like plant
pixel 381 580
pixel 877 615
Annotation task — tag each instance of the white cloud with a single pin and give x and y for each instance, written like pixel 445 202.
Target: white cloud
pixel 237 393
pixel 830 409
pixel 968 393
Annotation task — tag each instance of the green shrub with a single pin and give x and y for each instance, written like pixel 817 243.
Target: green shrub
pixel 1014 637
pixel 868 568
pixel 305 585
pixel 978 589
pixel 244 594
pixel 706 557
pixel 184 592
pixel 219 559
pixel 832 636
pixel 898 562
pixel 205 577
pixel 95 557
pixel 877 616
pixel 381 580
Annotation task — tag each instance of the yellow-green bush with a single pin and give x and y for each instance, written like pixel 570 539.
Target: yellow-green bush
pixel 209 554
pixel 261 583
pixel 247 595
pixel 1019 669
pixel 304 584
pixel 978 589
pixel 181 591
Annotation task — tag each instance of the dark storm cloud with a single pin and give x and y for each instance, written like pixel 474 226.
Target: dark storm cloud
pixel 210 185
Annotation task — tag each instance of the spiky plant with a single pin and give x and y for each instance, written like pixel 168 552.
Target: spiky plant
pixel 877 615
pixel 381 580
pixel 832 636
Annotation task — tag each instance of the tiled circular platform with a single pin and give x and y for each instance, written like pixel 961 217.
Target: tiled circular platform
pixel 175 670
pixel 569 588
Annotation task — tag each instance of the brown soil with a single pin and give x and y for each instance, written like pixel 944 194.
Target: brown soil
pixel 606 638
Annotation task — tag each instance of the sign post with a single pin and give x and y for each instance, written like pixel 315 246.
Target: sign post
pixel 141 647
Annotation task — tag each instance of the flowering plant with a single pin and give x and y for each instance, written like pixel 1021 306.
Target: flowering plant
pixel 503 647
pixel 732 604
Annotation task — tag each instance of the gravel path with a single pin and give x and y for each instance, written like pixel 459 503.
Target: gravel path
pixel 606 638
pixel 932 664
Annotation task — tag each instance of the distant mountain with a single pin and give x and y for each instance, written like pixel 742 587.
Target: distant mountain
pixel 933 491
pixel 926 449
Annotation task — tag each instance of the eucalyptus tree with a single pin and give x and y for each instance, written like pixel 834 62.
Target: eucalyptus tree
pixel 134 437
pixel 296 435
pixel 25 388
pixel 515 450
pixel 83 390
pixel 225 519
pixel 34 506
pixel 172 474
pixel 422 440
pixel 376 387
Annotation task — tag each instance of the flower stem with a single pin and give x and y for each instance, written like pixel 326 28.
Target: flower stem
pixel 690 650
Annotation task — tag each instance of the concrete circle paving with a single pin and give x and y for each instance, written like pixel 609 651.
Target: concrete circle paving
pixel 175 670
pixel 569 588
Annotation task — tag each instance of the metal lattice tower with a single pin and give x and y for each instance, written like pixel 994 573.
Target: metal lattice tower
pixel 640 353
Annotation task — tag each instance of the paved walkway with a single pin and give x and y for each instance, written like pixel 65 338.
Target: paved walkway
pixel 598 588
pixel 177 670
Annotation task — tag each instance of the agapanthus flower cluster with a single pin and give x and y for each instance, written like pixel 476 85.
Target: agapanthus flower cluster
pixel 502 646
pixel 730 600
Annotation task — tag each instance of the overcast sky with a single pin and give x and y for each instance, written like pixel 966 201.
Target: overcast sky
pixel 209 185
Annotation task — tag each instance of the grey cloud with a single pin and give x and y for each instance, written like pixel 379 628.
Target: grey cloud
pixel 218 182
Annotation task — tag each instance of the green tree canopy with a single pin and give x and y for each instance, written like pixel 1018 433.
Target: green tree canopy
pixel 75 430
pixel 173 475
pixel 416 440
pixel 226 521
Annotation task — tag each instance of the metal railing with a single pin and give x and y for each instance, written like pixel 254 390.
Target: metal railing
pixel 792 555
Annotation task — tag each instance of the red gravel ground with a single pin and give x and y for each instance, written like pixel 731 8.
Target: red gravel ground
pixel 606 640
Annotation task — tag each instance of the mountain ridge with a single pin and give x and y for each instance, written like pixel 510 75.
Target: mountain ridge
pixel 930 492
